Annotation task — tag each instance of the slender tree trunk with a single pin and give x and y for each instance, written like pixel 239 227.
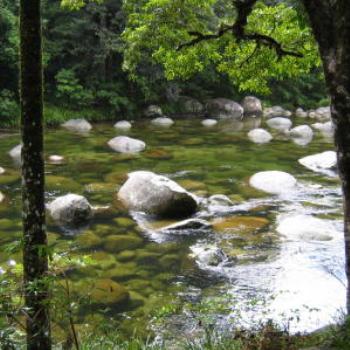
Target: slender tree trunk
pixel 35 255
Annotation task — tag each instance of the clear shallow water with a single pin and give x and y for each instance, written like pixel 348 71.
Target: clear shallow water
pixel 296 282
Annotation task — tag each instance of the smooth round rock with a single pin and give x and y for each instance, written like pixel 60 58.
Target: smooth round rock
pixel 279 123
pixel 209 122
pixel 2 170
pixel 224 108
pixel 123 125
pixel 273 182
pixel 301 135
pixel 2 197
pixel 154 194
pixel 77 125
pixel 124 144
pixel 71 209
pixel 56 159
pixel 306 227
pixel 162 121
pixel 300 113
pixel 325 162
pixel 259 136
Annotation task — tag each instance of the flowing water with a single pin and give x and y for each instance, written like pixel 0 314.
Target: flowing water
pixel 298 283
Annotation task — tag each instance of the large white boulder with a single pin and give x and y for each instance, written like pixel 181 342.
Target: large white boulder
pixel 279 124
pixel 123 125
pixel 162 121
pixel 252 106
pixel 325 162
pixel 154 194
pixel 259 136
pixel 224 108
pixel 124 144
pixel 77 125
pixel 323 114
pixel 273 182
pixel 71 209
pixel 306 227
pixel 301 135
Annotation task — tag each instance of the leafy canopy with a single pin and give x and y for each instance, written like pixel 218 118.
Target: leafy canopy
pixel 161 32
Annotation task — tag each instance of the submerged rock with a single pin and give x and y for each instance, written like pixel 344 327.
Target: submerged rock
pixel 259 136
pixel 208 255
pixel 240 224
pixel 154 194
pixel 306 227
pixel 123 125
pixel 224 108
pixel 106 291
pixel 119 243
pixel 124 144
pixel 279 123
pixel 209 122
pixel 77 125
pixel 252 106
pixel 162 121
pixel 325 162
pixel 70 209
pixel 273 182
pixel 301 135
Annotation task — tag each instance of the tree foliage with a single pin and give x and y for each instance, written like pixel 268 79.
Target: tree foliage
pixel 170 32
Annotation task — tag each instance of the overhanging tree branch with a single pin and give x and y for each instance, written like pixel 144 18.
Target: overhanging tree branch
pixel 238 29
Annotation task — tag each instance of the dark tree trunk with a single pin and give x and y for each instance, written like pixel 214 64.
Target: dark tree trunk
pixel 330 22
pixel 35 255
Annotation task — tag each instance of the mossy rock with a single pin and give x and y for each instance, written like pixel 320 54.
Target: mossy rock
pixel 88 240
pixel 147 258
pixel 163 248
pixel 117 178
pixel 136 299
pixel 61 183
pixel 159 154
pixel 9 178
pixel 103 230
pixel 124 222
pixel 194 141
pixel 240 224
pixel 101 187
pixel 138 284
pixel 122 272
pixel 118 243
pixel 126 255
pixel 107 291
pixel 170 262
pixel 192 185
pixel 103 260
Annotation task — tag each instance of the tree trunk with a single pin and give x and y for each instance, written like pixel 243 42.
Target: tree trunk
pixel 35 254
pixel 331 26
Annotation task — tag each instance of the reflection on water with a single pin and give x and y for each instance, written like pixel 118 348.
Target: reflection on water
pixel 262 273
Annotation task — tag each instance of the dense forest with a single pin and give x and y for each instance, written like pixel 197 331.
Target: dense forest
pixel 99 83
